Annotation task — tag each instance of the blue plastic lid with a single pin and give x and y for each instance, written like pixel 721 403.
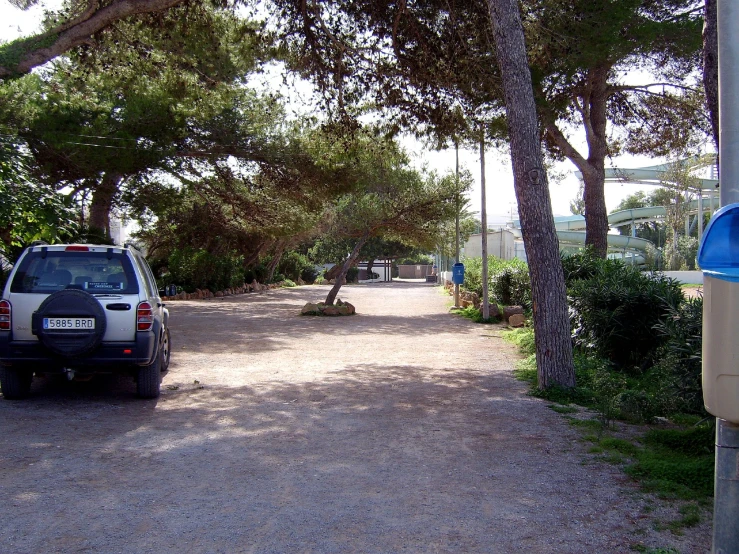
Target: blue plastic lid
pixel 718 254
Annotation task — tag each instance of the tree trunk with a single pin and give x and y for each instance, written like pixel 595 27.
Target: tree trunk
pixel 370 265
pixel 334 271
pixel 101 204
pixel 551 320
pixel 274 262
pixel 710 64
pixel 596 213
pixel 592 105
pixel 344 269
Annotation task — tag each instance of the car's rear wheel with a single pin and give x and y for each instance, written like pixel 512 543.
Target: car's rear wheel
pixel 15 382
pixel 166 351
pixel 149 378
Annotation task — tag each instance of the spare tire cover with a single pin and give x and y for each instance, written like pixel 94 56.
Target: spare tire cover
pixel 70 303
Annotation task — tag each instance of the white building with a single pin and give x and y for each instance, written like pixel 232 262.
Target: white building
pixel 501 243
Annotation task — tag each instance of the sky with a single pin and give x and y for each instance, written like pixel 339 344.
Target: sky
pixel 500 195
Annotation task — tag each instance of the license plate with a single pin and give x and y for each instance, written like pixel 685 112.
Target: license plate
pixel 76 323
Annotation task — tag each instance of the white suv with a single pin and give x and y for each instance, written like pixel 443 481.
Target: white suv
pixel 81 309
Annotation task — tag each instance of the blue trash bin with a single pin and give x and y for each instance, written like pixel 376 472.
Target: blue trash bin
pixel 458 273
pixel 718 257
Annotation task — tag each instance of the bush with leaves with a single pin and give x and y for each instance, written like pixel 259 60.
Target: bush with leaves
pixel 508 280
pixel 614 312
pixel 352 276
pixel 679 360
pixel 199 269
pixel 294 265
pixel 583 264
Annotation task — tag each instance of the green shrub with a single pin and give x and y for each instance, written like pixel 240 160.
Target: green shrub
pixel 679 360
pixel 257 272
pixel 508 280
pixel 199 269
pixel 615 310
pixel 583 264
pixel 352 276
pixel 294 265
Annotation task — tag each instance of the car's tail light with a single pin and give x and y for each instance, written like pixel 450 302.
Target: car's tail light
pixel 5 310
pixel 77 248
pixel 144 317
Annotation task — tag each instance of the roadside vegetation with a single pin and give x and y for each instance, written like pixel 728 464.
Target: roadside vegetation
pixel 637 355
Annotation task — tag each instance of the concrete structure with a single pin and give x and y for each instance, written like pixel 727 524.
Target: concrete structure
pixel 383 268
pixel 419 271
pixel 501 243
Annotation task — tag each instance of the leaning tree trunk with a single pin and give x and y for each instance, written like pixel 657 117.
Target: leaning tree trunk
pixel 101 204
pixel 344 269
pixel 551 320
pixel 279 251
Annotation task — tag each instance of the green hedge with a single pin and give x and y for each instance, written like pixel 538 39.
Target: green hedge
pixel 192 269
pixel 615 308
pixel 508 280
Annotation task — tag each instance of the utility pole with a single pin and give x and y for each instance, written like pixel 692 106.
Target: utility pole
pixel 484 222
pixel 726 489
pixel 456 239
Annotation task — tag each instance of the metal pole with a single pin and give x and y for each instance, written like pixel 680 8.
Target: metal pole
pixel 726 487
pixel 484 221
pixel 456 240
pixel 728 93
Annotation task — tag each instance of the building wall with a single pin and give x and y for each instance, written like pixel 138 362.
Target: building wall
pixel 500 244
pixel 383 269
pixel 414 271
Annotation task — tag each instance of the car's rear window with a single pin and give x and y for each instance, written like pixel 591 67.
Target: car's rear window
pixel 94 272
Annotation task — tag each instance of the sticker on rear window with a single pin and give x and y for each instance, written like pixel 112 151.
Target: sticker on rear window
pixel 103 286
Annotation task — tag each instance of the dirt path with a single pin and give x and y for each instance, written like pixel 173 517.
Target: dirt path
pixel 398 429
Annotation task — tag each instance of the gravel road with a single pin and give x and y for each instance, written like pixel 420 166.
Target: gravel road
pixel 400 429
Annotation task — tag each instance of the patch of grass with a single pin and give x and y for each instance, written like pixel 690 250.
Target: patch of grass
pixel 563 409
pixel 694 440
pixel 614 458
pixel 691 516
pixel 525 369
pixel 593 424
pixel 621 446
pixel 673 475
pixel 475 315
pixel 649 550
pixel 672 463
pixel 523 338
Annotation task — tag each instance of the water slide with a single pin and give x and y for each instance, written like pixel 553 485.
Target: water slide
pixel 571 229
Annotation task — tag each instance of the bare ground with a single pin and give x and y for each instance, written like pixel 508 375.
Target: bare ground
pixel 398 429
